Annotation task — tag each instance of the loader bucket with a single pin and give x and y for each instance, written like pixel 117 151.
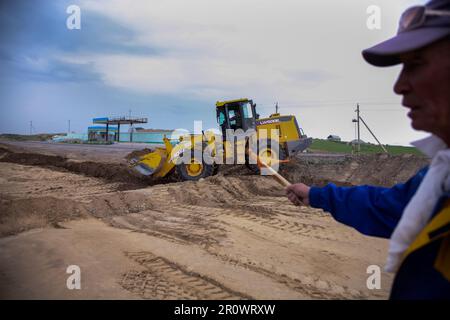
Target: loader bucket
pixel 144 169
pixel 151 163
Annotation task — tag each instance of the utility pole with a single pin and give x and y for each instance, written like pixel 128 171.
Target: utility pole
pixel 356 134
pixel 31 128
pixel 276 107
pixel 357 130
pixel 69 127
pixel 131 126
pixel 357 120
pixel 359 135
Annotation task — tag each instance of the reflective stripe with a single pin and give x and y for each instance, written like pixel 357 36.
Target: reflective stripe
pixel 437 228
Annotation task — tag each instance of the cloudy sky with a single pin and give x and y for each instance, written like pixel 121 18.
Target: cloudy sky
pixel 171 60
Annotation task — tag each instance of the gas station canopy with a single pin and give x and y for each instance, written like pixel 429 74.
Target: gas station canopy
pixel 118 121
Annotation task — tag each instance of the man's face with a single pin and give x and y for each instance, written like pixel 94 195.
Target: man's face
pixel 425 85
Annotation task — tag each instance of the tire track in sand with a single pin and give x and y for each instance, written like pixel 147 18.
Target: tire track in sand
pixel 308 285
pixel 164 279
pixel 272 221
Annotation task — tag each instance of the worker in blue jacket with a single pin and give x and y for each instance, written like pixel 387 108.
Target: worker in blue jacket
pixel 415 215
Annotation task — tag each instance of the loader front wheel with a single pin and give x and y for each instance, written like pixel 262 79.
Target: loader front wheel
pixel 194 171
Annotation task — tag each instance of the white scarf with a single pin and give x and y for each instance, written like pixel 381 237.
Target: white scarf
pixel 420 208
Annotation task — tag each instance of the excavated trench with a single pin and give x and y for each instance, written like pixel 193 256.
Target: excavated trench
pixel 110 172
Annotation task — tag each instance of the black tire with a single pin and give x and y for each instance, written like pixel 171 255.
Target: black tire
pixel 186 174
pixel 207 170
pixel 254 167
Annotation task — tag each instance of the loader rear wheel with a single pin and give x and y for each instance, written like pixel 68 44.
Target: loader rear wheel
pixel 266 153
pixel 194 171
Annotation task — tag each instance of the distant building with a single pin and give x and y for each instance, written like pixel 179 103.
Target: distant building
pixel 333 137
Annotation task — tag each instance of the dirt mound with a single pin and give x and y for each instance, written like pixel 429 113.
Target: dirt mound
pixel 138 153
pixel 3 152
pixel 23 214
pixel 115 172
pixel 380 169
pixel 110 172
pixel 4 149
pixel 120 203
pixel 347 170
pixel 34 159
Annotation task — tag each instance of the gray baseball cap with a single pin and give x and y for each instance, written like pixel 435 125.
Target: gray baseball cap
pixel 419 27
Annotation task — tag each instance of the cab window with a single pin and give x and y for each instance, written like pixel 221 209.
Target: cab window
pixel 247 109
pixel 221 118
pixel 232 116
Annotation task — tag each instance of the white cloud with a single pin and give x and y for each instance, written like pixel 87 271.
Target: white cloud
pixel 36 63
pixel 288 51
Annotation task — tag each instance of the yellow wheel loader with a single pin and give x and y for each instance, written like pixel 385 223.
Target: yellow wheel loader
pixel 275 139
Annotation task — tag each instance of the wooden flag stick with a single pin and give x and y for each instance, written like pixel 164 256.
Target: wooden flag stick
pixel 280 179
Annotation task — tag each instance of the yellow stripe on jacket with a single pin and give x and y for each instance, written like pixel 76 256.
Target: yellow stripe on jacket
pixel 437 228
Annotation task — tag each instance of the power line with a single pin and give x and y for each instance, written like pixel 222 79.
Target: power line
pixel 305 105
pixel 396 109
pixel 334 101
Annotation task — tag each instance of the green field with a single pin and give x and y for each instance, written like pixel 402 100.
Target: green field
pixel 320 145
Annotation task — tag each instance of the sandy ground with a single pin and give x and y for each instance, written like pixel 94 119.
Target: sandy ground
pixel 231 236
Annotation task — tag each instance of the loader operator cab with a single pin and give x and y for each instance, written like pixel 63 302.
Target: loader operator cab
pixel 236 114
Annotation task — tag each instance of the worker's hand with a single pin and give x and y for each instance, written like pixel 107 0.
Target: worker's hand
pixel 298 194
